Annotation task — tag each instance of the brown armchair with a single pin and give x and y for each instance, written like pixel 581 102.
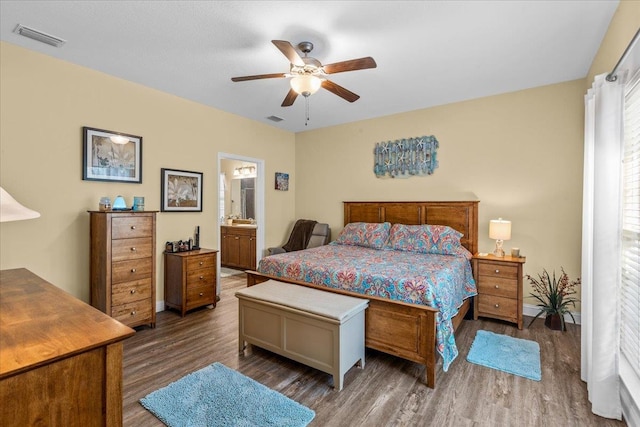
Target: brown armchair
pixel 301 239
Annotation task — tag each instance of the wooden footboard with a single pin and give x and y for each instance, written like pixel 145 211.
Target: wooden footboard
pixel 400 329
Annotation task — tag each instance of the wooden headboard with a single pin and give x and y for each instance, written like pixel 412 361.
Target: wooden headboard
pixel 459 215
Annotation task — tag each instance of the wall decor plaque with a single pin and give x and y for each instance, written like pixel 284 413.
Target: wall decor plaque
pixel 404 158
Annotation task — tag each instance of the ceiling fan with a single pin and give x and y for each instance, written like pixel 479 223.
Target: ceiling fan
pixel 308 74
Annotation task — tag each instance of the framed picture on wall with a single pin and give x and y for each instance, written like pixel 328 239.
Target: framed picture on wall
pixel 181 191
pixel 111 156
pixel 282 181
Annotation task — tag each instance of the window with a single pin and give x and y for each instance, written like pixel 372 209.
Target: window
pixel 630 259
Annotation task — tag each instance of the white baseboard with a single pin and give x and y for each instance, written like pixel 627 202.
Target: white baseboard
pixel 159 306
pixel 532 310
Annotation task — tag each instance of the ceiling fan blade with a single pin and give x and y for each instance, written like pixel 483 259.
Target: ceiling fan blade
pixel 289 51
pixel 351 65
pixel 259 76
pixel 290 98
pixel 340 91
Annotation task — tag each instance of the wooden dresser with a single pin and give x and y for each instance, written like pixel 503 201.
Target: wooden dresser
pixel 190 279
pixel 60 359
pixel 123 265
pixel 238 248
pixel 499 282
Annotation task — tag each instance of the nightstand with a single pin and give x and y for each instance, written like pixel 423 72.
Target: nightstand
pixel 499 282
pixel 190 279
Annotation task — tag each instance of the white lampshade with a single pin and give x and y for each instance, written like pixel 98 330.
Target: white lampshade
pixel 306 85
pixel 500 229
pixel 11 210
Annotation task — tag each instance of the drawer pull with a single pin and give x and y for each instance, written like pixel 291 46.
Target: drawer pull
pixel 497 305
pixel 237 238
pixel 497 271
pixel 133 313
pixel 133 227
pixel 201 277
pixel 133 270
pixel 201 262
pixel 133 249
pixel 133 291
pixel 201 294
pixel 497 287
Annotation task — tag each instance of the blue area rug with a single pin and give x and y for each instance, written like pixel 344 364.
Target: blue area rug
pixel 219 396
pixel 513 355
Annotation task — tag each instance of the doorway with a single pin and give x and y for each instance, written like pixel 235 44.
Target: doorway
pixel 240 200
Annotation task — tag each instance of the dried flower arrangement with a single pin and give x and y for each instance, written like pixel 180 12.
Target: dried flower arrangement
pixel 554 296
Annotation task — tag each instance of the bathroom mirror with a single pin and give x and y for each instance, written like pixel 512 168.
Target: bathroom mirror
pixel 243 198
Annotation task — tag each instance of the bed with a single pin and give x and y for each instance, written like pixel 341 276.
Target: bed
pixel 407 328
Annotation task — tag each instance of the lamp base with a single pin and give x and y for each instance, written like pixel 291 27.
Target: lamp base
pixel 498 251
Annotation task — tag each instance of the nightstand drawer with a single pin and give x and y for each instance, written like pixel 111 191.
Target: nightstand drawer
pixel 498 286
pixel 498 270
pixel 497 306
pixel 201 261
pixel 200 278
pixel 203 295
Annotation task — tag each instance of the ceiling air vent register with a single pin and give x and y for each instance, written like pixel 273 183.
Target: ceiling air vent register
pixel 39 36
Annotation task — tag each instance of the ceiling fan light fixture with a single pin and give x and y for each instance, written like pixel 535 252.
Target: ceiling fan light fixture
pixel 306 85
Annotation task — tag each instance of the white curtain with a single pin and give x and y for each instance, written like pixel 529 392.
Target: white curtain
pixel 601 246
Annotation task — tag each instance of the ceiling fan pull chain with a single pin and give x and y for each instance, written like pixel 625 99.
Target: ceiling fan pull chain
pixel 306 110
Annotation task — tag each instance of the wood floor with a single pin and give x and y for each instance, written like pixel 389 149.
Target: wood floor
pixel 388 392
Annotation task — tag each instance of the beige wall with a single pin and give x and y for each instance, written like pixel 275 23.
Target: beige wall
pixel 44 104
pixel 520 154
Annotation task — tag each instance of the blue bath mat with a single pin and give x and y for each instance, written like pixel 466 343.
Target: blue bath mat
pixel 219 396
pixel 512 355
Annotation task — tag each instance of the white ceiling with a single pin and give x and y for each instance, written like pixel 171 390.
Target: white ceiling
pixel 428 52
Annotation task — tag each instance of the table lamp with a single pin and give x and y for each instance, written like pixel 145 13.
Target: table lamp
pixel 500 230
pixel 11 210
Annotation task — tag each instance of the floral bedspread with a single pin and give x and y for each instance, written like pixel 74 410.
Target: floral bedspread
pixel 439 281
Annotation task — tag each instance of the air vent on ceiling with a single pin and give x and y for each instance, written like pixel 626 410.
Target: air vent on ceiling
pixel 275 119
pixel 39 36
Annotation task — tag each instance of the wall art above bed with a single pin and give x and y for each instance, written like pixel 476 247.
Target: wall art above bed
pixel 405 158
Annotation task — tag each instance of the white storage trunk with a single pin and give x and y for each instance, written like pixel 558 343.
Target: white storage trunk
pixel 321 329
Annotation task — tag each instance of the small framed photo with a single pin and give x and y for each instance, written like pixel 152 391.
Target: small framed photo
pixel 282 181
pixel 111 156
pixel 181 191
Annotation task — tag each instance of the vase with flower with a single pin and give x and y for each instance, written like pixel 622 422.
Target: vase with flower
pixel 554 296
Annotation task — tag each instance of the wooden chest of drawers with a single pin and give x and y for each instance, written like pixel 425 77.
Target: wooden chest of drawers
pixel 190 279
pixel 60 359
pixel 499 282
pixel 123 265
